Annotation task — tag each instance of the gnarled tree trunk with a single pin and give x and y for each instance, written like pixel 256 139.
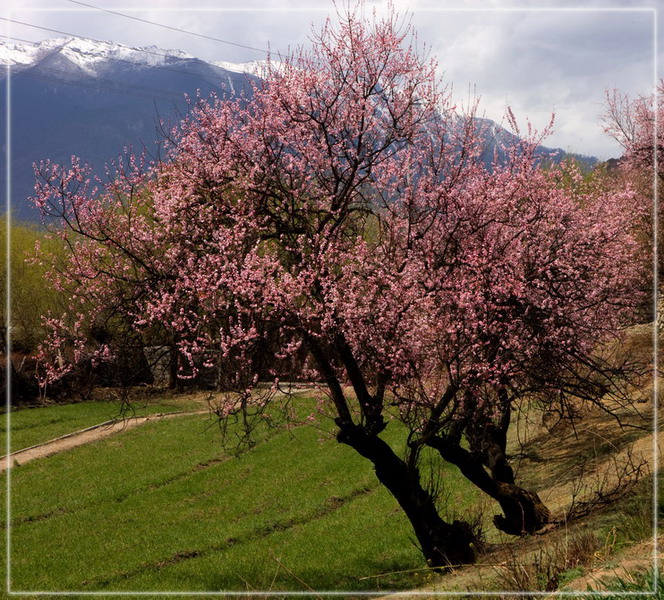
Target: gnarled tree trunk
pixel 443 544
pixel 523 510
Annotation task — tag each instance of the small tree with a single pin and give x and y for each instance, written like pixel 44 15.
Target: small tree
pixel 633 124
pixel 344 208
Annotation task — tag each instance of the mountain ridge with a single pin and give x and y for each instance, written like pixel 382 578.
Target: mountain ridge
pixel 92 98
pixel 93 55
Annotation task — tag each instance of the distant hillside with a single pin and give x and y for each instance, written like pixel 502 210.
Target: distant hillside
pixel 74 97
pixel 93 99
pixel 499 138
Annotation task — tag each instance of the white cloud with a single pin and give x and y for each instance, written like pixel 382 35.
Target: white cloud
pixel 540 61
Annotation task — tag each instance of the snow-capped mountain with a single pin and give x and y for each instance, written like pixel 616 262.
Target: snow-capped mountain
pixel 92 99
pixel 89 55
pixel 96 56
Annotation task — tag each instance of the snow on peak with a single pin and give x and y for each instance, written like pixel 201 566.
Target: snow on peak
pixel 87 54
pixel 12 53
pixel 259 68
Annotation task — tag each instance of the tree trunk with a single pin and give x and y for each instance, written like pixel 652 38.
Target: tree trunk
pixel 523 510
pixel 174 382
pixel 443 544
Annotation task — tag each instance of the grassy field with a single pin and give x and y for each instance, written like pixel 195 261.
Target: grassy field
pixel 162 507
pixel 31 426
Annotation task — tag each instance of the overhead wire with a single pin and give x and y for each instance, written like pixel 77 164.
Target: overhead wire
pixel 171 27
pixel 125 91
pixel 48 29
pixel 18 39
pixel 122 85
pixel 81 37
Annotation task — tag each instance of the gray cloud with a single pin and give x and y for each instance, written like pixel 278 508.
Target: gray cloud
pixel 536 61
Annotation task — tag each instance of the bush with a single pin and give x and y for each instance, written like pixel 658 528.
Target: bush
pixel 30 298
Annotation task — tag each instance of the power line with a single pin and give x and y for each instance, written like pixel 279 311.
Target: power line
pixel 81 84
pixel 94 80
pixel 81 37
pixel 115 59
pixel 47 29
pixel 11 37
pixel 200 35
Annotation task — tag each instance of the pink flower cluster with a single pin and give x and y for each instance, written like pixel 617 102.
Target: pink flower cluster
pixel 346 207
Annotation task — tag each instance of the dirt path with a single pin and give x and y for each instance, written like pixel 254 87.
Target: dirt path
pixel 108 428
pixel 85 436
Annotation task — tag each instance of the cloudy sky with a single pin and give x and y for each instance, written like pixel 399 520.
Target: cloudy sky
pixel 536 56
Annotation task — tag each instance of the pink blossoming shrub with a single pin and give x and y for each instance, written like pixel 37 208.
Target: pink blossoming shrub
pixel 344 210
pixel 636 123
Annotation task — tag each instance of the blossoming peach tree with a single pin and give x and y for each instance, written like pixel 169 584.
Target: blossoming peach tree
pixel 344 209
pixel 633 123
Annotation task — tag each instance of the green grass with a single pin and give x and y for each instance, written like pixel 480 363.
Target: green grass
pixel 631 519
pixel 31 426
pixel 641 583
pixel 161 507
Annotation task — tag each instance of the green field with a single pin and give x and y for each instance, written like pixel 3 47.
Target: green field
pixel 162 507
pixel 31 426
